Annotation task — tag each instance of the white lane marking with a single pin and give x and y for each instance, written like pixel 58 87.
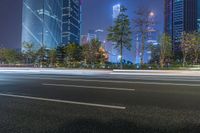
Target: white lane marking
pixel 119 82
pixel 129 82
pixel 63 101
pixel 166 79
pixel 139 77
pixel 149 78
pixel 196 74
pixel 160 78
pixel 172 84
pixel 91 87
pixel 150 74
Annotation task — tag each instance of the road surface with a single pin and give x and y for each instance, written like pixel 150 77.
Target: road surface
pixel 99 103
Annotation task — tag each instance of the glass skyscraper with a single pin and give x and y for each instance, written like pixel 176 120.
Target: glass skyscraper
pixel 168 17
pixel 198 15
pixel 71 21
pixel 181 16
pixel 44 22
pixel 114 53
pixel 178 20
pixel 116 10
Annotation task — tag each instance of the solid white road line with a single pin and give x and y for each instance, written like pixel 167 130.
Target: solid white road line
pixel 117 82
pixel 129 82
pixel 172 84
pixel 63 101
pixel 148 74
pixel 149 78
pixel 90 87
pixel 104 79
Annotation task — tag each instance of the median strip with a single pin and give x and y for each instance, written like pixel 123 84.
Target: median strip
pixel 89 87
pixel 63 101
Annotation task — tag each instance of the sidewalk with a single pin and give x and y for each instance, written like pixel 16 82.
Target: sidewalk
pixel 54 71
pixel 63 71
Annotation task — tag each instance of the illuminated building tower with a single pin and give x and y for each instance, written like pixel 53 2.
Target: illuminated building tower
pixel 50 23
pixel 116 10
pixel 91 35
pixel 181 16
pixel 71 25
pixel 114 53
pixel 152 37
pixel 42 23
pixel 99 33
pixel 84 40
pixel 168 17
pixel 137 51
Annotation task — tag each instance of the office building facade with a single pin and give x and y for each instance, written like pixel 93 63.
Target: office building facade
pixel 181 16
pixel 71 21
pixel 43 23
pixel 116 10
pixel 113 52
pixel 168 17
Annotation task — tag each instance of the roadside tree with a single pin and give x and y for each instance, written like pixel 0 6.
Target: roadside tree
pixel 141 25
pixel 165 48
pixel 28 52
pixel 196 46
pixel 120 34
pixel 186 46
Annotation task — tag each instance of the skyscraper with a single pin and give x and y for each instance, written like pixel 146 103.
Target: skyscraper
pixel 71 21
pixel 116 10
pixel 41 24
pixel 181 16
pixel 168 17
pixel 198 15
pixel 114 53
pixel 50 23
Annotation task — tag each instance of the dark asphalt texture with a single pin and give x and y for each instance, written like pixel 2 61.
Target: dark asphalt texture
pixel 157 104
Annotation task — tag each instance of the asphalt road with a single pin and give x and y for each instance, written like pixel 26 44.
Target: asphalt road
pixel 103 103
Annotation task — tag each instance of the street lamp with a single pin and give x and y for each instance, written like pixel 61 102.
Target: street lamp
pixel 151 14
pixel 119 58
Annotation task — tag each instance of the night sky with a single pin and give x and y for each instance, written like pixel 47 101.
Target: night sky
pixel 97 14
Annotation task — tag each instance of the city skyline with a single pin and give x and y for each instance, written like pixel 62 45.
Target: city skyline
pixel 103 21
pixel 99 66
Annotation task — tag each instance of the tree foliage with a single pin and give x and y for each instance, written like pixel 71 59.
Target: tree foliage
pixel 165 48
pixel 9 56
pixel 120 33
pixel 94 53
pixel 195 46
pixel 141 25
pixel 52 54
pixel 41 56
pixel 72 52
pixel 186 45
pixel 29 53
